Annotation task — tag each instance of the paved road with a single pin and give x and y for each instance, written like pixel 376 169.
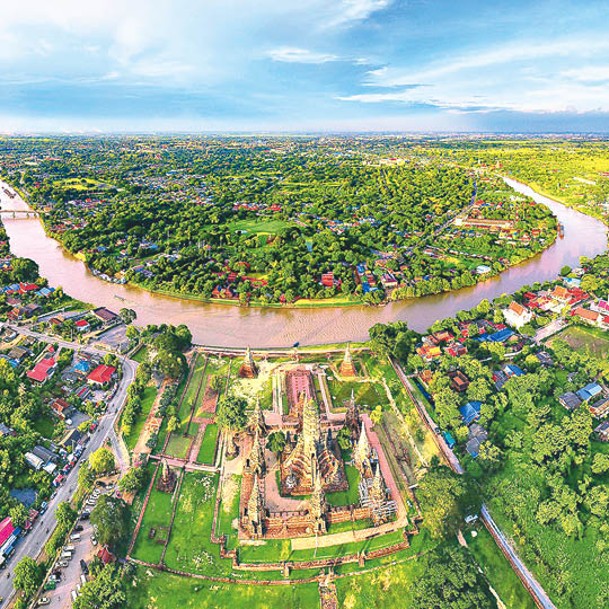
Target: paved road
pixel 32 544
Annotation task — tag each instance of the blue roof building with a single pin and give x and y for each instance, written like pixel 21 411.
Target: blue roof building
pixel 470 412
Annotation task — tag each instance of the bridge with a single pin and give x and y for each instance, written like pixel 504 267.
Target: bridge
pixel 21 213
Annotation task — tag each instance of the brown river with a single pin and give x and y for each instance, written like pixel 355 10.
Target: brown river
pixel 229 326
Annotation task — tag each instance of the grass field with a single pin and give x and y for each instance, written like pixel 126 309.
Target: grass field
pixel 158 514
pixel 148 398
pixel 141 355
pixel 158 590
pixel 498 570
pixel 366 394
pixel 178 445
pixel 207 452
pixel 190 547
pixel 349 496
pixel 589 340
pixel 259 227
pixel 45 425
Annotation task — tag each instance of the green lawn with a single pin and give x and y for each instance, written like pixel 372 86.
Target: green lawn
pixel 498 570
pixel 349 496
pixel 45 425
pixel 158 514
pixel 190 393
pixel 366 393
pixel 147 401
pixel 141 355
pixel 190 548
pixel 266 227
pixel 207 452
pixel 178 445
pixel 158 590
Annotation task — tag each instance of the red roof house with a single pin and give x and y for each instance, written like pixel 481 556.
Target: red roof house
pixel 42 370
pixel 102 374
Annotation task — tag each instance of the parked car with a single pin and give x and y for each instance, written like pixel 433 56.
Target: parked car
pixel 85 515
pixel 84 567
pixel 43 507
pixel 45 600
pixel 75 537
pixel 78 528
pixel 62 564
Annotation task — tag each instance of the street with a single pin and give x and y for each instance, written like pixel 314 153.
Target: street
pixel 32 544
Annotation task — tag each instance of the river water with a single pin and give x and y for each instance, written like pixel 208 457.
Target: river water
pixel 228 326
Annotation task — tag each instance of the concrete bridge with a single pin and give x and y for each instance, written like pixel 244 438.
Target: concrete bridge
pixel 20 213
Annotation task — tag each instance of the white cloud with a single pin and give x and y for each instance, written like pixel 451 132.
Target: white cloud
pixel 356 10
pixel 295 55
pixel 521 76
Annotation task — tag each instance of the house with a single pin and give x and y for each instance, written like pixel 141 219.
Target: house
pixel 71 440
pixel 5 430
pixel 33 461
pixel 458 381
pixel 477 436
pixel 591 317
pixel 470 412
pixel 517 315
pixel 602 431
pixel 82 325
pixel 456 349
pixel 43 370
pixel 545 359
pixel 429 352
pixel 591 390
pixel 511 370
pixel 569 400
pixel 483 269
pixel 106 316
pixel 105 555
pixel 60 408
pixel 500 336
pixel 600 408
pixel 102 375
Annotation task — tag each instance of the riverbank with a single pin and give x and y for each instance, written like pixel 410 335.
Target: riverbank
pixel 282 327
pixel 433 285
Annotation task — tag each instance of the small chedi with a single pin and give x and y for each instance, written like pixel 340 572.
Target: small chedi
pixel 248 369
pixel 166 482
pixel 347 366
pixel 286 496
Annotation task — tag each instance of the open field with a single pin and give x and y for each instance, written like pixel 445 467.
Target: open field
pixel 157 516
pixel 178 445
pixel 207 452
pixel 147 402
pixel 158 590
pixel 589 340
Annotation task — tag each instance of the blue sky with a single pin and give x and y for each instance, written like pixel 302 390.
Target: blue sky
pixel 304 65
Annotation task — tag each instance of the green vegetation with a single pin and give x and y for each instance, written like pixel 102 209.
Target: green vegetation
pixel 207 452
pixel 342 221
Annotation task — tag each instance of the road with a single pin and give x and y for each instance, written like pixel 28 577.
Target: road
pixel 32 544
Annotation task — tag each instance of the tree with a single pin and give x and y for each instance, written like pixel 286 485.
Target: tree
pixel 127 315
pixel 276 442
pixel 101 461
pixel 109 516
pixel 444 498
pixel 231 416
pixel 27 576
pixel 600 463
pixel 64 514
pixel 133 480
pixel 106 591
pixel 18 514
pixel 376 415
pixel 451 581
pixel 344 438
